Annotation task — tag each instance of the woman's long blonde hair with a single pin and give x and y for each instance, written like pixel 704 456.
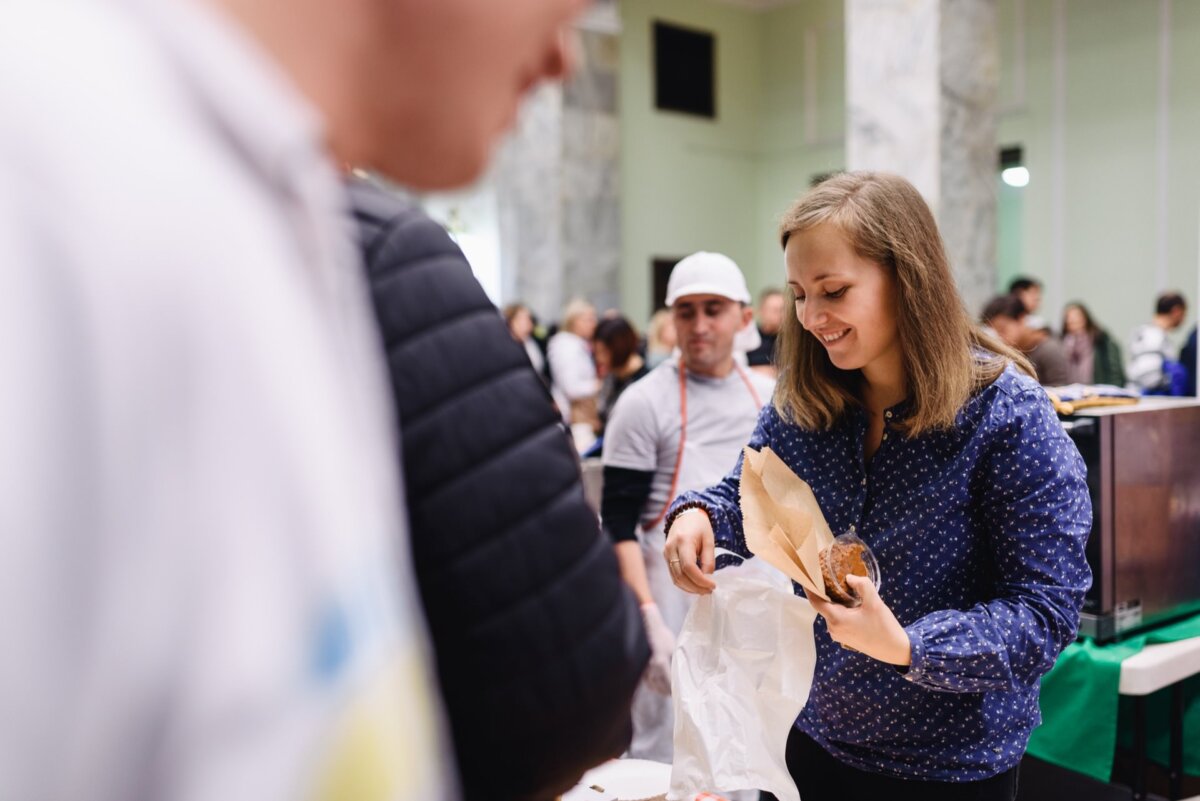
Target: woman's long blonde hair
pixel 946 357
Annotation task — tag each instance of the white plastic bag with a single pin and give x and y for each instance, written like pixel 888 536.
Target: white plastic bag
pixel 741 673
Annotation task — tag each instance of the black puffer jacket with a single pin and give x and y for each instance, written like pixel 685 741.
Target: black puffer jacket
pixel 539 645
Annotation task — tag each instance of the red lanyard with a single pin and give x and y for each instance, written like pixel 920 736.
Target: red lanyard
pixel 683 432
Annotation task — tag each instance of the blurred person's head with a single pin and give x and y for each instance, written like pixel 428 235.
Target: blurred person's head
pixel 709 305
pixel 616 344
pixel 1078 320
pixel 1029 290
pixel 770 310
pixel 579 318
pixel 1170 310
pixel 877 309
pixel 420 90
pixel 1005 314
pixel 660 334
pixel 520 321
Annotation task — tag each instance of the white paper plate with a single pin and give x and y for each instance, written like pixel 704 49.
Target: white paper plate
pixel 629 779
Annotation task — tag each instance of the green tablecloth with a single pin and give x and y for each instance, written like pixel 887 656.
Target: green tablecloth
pixel 1081 707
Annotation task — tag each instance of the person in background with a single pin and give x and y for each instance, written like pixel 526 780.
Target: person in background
pixel 498 518
pixel 1152 367
pixel 520 326
pixel 572 368
pixel 206 588
pixel 660 338
pixel 617 357
pixel 1093 356
pixel 1187 356
pixel 931 442
pixel 1029 291
pixel 677 429
pixel 770 317
pixel 1005 315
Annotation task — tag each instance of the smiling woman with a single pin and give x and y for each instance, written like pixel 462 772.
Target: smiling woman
pixel 877 309
pixel 930 441
pixel 851 308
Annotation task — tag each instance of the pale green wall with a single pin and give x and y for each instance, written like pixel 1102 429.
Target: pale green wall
pixel 690 185
pixel 794 148
pixel 687 183
pixel 1109 232
pixel 1010 218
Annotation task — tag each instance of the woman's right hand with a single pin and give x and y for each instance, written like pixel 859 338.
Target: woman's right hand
pixel 689 552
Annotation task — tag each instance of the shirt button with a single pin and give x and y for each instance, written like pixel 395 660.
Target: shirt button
pixel 888 415
pixel 885 435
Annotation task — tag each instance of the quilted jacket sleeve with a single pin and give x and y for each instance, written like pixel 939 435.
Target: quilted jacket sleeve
pixel 539 644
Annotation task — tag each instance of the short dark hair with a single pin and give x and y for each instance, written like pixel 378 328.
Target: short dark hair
pixel 1009 306
pixel 620 337
pixel 1021 283
pixel 770 291
pixel 1168 302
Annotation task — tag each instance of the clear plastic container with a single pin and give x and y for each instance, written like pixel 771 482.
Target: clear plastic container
pixel 848 555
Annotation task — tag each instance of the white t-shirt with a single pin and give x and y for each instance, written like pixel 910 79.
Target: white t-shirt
pixel 1149 348
pixel 205 589
pixel 643 429
pixel 572 370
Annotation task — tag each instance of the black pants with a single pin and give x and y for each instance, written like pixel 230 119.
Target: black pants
pixel 820 777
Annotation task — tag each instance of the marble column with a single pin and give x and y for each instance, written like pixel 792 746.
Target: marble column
pixel 921 96
pixel 527 184
pixel 556 187
pixel 591 206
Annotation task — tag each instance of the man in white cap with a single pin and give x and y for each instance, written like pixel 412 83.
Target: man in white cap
pixel 679 428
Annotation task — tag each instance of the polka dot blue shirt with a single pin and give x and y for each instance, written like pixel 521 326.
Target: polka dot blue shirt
pixel 979 532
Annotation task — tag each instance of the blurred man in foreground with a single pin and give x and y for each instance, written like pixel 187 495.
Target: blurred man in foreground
pixel 201 593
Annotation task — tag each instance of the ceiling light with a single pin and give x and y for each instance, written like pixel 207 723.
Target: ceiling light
pixel 1015 176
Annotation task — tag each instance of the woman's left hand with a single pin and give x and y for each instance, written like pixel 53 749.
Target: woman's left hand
pixel 870 628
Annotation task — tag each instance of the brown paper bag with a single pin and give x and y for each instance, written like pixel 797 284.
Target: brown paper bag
pixel 782 520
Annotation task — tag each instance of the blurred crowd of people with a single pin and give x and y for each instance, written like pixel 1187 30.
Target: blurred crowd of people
pixel 1081 351
pixel 589 358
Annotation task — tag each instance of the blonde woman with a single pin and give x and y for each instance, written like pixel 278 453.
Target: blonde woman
pixel 660 338
pixel 572 368
pixel 931 442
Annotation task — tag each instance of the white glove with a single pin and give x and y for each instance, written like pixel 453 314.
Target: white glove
pixel 662 645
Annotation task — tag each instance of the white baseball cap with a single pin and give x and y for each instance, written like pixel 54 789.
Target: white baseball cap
pixel 707 273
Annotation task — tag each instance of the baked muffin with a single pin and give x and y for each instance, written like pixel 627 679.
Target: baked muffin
pixel 848 555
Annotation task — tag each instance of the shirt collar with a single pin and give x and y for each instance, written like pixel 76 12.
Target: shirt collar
pixel 857 413
pixel 707 379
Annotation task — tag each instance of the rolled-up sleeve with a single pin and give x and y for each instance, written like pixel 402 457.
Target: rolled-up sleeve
pixel 1036 515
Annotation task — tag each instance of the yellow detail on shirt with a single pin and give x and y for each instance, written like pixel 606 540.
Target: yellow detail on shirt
pixel 384 748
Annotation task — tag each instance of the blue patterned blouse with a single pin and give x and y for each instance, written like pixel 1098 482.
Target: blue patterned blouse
pixel 979 532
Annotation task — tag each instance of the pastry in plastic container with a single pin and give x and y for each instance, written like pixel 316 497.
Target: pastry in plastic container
pixel 847 556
